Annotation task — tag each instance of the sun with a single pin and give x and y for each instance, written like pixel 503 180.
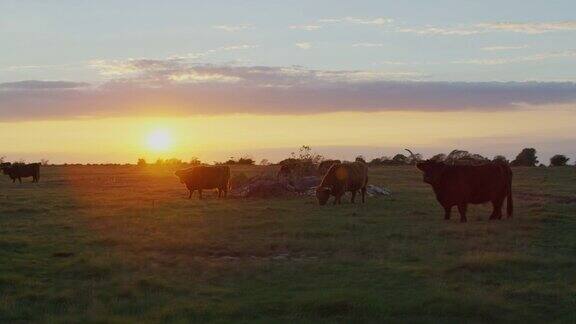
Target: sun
pixel 159 140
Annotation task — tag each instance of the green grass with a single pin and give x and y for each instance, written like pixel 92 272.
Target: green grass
pixel 117 244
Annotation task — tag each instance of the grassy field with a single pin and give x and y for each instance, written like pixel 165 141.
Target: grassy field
pixel 117 244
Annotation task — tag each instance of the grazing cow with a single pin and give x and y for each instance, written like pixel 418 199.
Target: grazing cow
pixel 205 177
pixel 460 185
pixel 21 170
pixel 325 165
pixel 339 179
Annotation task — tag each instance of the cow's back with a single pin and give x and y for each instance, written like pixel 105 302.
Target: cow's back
pixel 479 184
pixel 354 176
pixel 210 177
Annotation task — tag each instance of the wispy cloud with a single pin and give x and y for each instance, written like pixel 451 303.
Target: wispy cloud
pixel 503 48
pixel 233 28
pixel 520 59
pixel 306 27
pixel 530 27
pixel 377 21
pixel 435 30
pixel 304 45
pixel 490 27
pixel 42 85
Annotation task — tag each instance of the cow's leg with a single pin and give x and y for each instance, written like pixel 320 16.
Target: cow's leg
pixel 353 196
pixel 190 194
pixel 19 179
pixel 462 210
pixel 219 193
pixel 497 208
pixel 363 194
pixel 447 211
pixel 200 194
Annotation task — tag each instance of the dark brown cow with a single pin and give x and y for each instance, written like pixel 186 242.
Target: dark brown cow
pixel 21 170
pixel 460 185
pixel 205 177
pixel 325 165
pixel 339 179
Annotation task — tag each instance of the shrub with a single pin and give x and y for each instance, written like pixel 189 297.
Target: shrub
pixel 526 158
pixel 558 160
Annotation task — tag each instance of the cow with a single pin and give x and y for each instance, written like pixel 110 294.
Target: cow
pixel 339 179
pixel 460 185
pixel 325 165
pixel 21 170
pixel 205 177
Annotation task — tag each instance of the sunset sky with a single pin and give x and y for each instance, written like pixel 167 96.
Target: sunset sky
pixel 111 81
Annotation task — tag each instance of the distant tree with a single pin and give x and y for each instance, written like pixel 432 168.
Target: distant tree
pixel 399 159
pixel 2 159
pixel 160 162
pixel 526 158
pixel 195 161
pixel 375 162
pixel 246 161
pixel 360 158
pixel 230 161
pixel 141 162
pixel 500 158
pixel 305 154
pixel 265 162
pixel 44 162
pixel 558 160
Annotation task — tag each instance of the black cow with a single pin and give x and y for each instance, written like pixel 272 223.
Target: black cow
pixel 460 185
pixel 205 177
pixel 21 170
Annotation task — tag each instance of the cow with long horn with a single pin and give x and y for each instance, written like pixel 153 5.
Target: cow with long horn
pixel 460 185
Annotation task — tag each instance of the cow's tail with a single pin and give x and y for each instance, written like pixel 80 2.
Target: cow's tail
pixel 509 203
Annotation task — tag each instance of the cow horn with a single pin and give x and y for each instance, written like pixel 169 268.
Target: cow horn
pixel 412 155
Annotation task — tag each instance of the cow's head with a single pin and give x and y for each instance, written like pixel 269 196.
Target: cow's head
pixel 182 175
pixel 322 194
pixel 432 170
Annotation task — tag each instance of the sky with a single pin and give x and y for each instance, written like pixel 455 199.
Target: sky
pixel 105 81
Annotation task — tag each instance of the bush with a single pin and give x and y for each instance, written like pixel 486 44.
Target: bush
pixel 238 180
pixel 526 158
pixel 558 160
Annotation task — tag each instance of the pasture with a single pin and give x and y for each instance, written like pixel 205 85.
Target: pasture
pixel 117 244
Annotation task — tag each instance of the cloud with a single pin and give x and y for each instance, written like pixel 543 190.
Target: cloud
pixel 42 85
pixel 530 27
pixel 175 87
pixel 378 21
pixel 367 45
pixel 521 59
pixel 304 45
pixel 490 27
pixel 446 31
pixel 233 28
pixel 306 27
pixel 503 48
